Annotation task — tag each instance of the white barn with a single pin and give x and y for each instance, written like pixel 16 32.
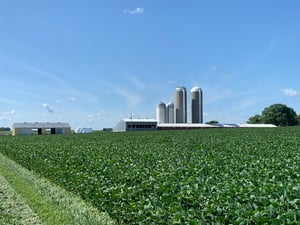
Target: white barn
pixel 256 125
pixel 136 125
pixel 83 130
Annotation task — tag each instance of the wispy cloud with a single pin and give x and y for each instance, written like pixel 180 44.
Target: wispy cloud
pixel 82 94
pixel 7 101
pixel 252 100
pixel 290 92
pixel 130 96
pixel 217 94
pixel 138 10
pixel 70 99
pixel 48 108
pixel 96 116
pixel 136 83
pixel 132 99
pixel 10 113
pixel 62 82
pixel 40 71
pixel 7 115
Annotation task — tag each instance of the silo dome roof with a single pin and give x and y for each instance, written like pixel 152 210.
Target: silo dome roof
pixel 195 89
pixel 180 88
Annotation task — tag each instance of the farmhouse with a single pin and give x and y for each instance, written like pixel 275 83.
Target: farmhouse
pixel 40 128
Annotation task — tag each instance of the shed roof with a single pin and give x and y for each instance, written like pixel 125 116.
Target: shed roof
pixel 257 125
pixel 41 125
pixel 185 125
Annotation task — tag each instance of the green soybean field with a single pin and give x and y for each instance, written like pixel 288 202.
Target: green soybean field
pixel 209 176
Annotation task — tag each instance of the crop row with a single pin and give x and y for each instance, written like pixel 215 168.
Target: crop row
pixel 237 176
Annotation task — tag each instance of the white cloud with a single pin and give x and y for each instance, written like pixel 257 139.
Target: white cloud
pixel 290 92
pixel 138 10
pixel 72 99
pixel 48 108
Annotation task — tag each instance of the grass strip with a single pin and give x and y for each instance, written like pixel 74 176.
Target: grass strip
pixel 52 204
pixel 13 209
pixel 46 211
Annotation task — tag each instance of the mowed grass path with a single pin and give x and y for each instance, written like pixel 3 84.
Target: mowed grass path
pixel 28 199
pixel 13 209
pixel 216 176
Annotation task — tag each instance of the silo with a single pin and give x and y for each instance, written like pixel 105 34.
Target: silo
pixel 170 113
pixel 180 114
pixel 196 105
pixel 161 113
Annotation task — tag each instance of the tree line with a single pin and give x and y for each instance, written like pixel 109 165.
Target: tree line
pixel 277 114
pixel 4 129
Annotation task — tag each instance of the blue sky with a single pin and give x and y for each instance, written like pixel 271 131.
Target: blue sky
pixel 92 63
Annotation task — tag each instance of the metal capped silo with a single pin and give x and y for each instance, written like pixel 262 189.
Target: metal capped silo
pixel 161 112
pixel 196 105
pixel 180 113
pixel 170 113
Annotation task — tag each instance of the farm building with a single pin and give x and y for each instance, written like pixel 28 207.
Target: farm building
pixel 40 128
pixel 183 126
pixel 247 125
pixel 188 126
pixel 83 130
pixel 136 125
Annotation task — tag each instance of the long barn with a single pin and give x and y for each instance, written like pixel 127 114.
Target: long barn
pixel 40 128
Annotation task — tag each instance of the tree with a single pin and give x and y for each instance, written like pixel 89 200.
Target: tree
pixel 298 119
pixel 4 129
pixel 212 122
pixel 254 119
pixel 280 115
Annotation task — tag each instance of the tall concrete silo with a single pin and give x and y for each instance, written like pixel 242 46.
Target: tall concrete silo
pixel 161 113
pixel 170 113
pixel 180 114
pixel 196 105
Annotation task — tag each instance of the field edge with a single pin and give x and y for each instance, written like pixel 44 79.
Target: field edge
pixel 51 203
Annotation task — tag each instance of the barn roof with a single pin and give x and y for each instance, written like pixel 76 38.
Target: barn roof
pixel 46 125
pixel 185 125
pixel 257 125
pixel 135 120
